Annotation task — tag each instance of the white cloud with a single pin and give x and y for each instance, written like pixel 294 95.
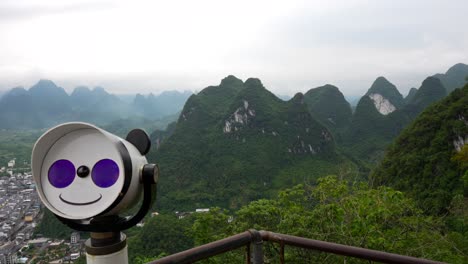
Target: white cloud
pixel 291 45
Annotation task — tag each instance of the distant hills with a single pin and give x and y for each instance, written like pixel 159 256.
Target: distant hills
pixel 410 94
pixel 236 142
pixel 455 77
pixel 429 159
pixel 45 104
pixel 382 114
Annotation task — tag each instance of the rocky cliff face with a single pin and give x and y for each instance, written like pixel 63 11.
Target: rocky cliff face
pixel 382 104
pixel 239 118
pixel 461 139
pixel 383 89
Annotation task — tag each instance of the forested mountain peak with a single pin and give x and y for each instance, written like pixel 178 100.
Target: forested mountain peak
pixel 81 91
pixel 47 88
pixel 254 83
pixel 411 94
pixel 457 68
pixel 455 77
pixel 329 106
pixel 238 127
pixel 431 90
pixel 298 98
pixel 385 96
pixel 15 92
pixel 232 81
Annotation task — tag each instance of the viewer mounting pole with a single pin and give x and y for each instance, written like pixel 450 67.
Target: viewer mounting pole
pixel 107 248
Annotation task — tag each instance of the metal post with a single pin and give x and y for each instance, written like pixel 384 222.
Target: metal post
pixel 256 247
pixel 247 254
pixel 282 252
pixel 107 248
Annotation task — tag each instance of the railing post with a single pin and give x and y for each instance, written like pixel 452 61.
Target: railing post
pixel 256 247
pixel 281 252
pixel 247 254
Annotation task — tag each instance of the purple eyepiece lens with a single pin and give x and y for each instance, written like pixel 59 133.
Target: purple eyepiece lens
pixel 105 173
pixel 61 173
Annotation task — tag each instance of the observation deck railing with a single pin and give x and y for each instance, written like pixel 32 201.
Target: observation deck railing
pixel 253 240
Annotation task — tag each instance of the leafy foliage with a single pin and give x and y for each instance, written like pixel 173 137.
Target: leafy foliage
pixel 50 226
pixel 336 211
pixel 16 144
pixel 161 235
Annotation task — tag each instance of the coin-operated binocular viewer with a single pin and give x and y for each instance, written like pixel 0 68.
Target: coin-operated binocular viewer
pixel 89 177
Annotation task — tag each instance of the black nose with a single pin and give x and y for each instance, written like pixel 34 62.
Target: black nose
pixel 82 171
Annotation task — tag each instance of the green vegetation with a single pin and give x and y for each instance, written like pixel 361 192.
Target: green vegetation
pixel 370 132
pixel 455 77
pixel 328 105
pixel 161 235
pixel 420 160
pixel 334 210
pixel 431 91
pixel 17 144
pixel 50 226
pixel 237 142
pixel 412 92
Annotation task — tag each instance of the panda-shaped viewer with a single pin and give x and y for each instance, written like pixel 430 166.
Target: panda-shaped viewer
pixel 82 172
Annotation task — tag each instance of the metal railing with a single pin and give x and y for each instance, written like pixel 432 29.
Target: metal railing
pixel 253 241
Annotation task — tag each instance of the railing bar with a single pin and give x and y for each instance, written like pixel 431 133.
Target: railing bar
pixel 207 250
pixel 344 250
pixel 253 239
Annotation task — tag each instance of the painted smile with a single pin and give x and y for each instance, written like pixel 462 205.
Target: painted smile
pixel 87 203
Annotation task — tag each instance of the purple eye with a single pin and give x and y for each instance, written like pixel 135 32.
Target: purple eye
pixel 105 173
pixel 61 173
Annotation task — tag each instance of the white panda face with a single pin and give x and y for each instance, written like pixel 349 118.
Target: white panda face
pixel 82 174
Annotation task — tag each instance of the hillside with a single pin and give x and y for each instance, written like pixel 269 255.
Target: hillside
pixel 421 161
pixel 237 142
pixel 328 105
pixel 385 96
pixel 430 91
pixel 376 121
pixel 410 95
pixel 455 77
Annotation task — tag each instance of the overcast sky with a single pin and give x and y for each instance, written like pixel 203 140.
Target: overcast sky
pixel 150 46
